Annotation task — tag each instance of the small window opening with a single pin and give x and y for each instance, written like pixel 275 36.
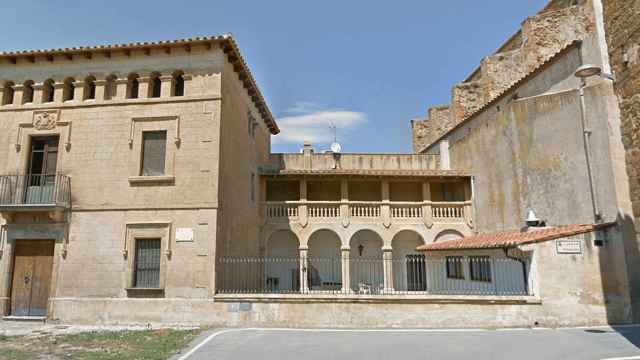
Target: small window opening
pixel 48 91
pixel 27 92
pixel 90 88
pixel 8 93
pixel 134 86
pixel 178 85
pixel 154 148
pixel 69 90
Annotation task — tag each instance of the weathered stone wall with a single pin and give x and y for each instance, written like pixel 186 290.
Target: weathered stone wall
pixel 622 25
pixel 541 37
pixel 426 131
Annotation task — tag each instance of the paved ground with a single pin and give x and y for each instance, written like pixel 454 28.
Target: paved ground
pixel 284 344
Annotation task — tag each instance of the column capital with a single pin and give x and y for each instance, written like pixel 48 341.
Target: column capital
pixel 387 249
pixel 303 248
pixel 165 78
pixel 18 87
pixel 345 248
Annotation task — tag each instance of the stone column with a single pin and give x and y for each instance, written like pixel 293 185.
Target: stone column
pixel 346 278
pixel 302 207
pixel 38 93
pixel 304 269
pixel 387 269
pixel 18 92
pixel 78 92
pixel 344 202
pixel 101 88
pixel 427 214
pixel 385 209
pixel 166 89
pixel 144 86
pixel 122 86
pixel 58 92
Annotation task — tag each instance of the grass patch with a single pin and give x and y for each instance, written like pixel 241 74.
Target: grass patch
pixel 105 345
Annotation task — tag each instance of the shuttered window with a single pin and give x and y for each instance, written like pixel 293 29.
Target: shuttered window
pixel 147 264
pixel 154 147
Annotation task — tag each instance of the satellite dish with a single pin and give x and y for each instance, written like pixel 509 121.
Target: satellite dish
pixel 336 148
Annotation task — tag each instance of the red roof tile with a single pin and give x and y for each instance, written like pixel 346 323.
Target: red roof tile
pixel 511 238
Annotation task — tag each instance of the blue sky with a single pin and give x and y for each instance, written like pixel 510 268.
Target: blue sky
pixel 367 66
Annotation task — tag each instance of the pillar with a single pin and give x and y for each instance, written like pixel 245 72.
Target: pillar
pixel 18 92
pixel 122 86
pixel 58 92
pixel 346 278
pixel 38 93
pixel 385 209
pixel 302 206
pixel 344 202
pixel 166 89
pixel 387 269
pixel 427 214
pixel 143 89
pixel 78 92
pixel 101 88
pixel 304 265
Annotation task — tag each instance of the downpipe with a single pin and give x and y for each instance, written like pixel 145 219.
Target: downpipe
pixel 586 134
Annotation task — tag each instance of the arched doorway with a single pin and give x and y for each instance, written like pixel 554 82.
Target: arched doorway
pixel 282 264
pixel 409 265
pixel 366 272
pixel 324 264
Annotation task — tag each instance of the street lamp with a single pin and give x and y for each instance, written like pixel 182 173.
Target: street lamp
pixel 583 73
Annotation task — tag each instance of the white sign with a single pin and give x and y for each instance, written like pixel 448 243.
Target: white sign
pixel 184 234
pixel 569 246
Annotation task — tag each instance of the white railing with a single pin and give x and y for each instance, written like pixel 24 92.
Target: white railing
pixel 448 212
pixel 438 212
pixel 281 210
pixel 406 210
pixel 323 210
pixel 364 210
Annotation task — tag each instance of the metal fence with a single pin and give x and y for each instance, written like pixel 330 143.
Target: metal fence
pixel 412 274
pixel 37 189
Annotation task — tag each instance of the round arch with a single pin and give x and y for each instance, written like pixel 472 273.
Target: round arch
pixel 448 234
pixel 282 264
pixel 324 261
pixel 409 265
pixel 366 270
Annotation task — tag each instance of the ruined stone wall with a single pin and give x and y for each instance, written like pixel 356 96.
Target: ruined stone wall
pixel 541 37
pixel 428 130
pixel 622 26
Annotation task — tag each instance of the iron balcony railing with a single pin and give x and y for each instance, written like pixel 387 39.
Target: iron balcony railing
pixel 35 190
pixel 410 275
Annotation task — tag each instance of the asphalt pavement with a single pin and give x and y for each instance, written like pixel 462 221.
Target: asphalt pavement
pixel 341 344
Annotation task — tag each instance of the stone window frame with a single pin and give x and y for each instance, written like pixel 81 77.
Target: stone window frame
pixel 139 125
pixel 146 230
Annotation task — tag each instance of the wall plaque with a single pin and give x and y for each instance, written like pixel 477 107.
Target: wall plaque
pixel 184 234
pixel 569 246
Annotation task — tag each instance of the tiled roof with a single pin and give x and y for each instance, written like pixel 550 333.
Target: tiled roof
pixel 368 172
pixel 228 44
pixel 511 238
pixel 509 89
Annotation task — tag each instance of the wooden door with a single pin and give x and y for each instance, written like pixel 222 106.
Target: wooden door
pixel 32 267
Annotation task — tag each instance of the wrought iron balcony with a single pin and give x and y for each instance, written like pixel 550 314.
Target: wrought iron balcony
pixel 34 192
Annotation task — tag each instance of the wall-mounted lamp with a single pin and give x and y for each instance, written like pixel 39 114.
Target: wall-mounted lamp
pixel 360 249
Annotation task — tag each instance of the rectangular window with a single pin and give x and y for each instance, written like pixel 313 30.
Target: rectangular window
pixel 480 268
pixel 455 267
pixel 147 264
pixel 416 273
pixel 154 149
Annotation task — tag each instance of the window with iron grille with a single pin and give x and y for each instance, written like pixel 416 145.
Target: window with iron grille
pixel 154 149
pixel 147 264
pixel 480 268
pixel 455 267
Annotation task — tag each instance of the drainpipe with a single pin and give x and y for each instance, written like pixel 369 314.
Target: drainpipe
pixel 524 269
pixel 586 133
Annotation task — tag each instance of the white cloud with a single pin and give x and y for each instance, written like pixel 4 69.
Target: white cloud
pixel 313 124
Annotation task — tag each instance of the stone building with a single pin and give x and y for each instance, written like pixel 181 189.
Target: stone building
pixel 137 185
pixel 525 105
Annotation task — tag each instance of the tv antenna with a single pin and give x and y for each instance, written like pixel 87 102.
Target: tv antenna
pixel 335 147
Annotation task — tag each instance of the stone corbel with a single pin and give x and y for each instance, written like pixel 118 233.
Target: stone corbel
pixel 427 214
